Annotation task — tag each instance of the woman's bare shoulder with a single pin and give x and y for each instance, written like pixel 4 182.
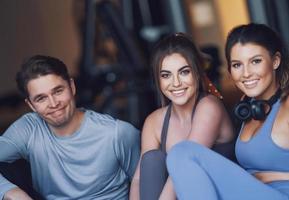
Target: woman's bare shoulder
pixel 155 119
pixel 210 103
pixel 152 130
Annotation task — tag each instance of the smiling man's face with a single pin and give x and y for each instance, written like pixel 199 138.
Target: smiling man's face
pixel 52 98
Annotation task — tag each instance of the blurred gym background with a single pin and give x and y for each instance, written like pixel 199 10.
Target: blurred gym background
pixel 106 45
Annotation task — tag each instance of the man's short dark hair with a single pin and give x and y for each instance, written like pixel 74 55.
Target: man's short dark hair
pixel 39 65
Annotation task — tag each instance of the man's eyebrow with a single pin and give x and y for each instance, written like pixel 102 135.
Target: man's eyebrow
pixel 37 96
pixel 58 87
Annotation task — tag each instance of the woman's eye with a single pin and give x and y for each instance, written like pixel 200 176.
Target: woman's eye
pixel 256 61
pixel 235 65
pixel 165 75
pixel 185 72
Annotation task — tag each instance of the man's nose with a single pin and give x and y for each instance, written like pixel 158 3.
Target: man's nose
pixel 53 101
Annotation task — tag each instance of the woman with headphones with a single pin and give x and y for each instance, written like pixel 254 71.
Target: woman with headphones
pixel 257 62
pixel 187 109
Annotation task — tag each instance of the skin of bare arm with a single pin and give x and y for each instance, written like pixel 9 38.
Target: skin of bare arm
pixel 149 141
pixel 210 111
pixel 168 192
pixel 270 176
pixel 211 123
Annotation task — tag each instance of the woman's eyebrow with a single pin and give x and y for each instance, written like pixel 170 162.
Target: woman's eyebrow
pixel 167 71
pixel 186 66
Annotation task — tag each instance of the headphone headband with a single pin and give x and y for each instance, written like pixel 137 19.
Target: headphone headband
pixel 275 97
pixel 250 108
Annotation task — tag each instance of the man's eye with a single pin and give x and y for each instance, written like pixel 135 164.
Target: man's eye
pixel 58 92
pixel 40 99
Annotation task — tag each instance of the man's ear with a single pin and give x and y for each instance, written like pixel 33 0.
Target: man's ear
pixel 27 101
pixel 72 86
pixel 276 60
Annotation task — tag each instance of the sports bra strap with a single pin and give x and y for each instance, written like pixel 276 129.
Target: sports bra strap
pixel 167 120
pixel 165 128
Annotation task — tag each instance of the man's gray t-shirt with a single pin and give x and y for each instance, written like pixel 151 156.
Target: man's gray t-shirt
pixel 96 162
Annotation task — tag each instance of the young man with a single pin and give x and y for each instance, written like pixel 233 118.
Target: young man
pixel 73 153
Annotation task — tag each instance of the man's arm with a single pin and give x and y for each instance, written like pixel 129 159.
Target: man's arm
pixel 16 194
pixel 5 186
pixel 12 148
pixel 127 147
pixel 7 154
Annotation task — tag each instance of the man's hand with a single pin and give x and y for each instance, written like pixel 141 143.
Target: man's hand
pixel 16 194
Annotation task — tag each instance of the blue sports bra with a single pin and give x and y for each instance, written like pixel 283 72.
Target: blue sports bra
pixel 260 153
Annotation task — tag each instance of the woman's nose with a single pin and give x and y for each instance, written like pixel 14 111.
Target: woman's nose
pixel 246 71
pixel 176 81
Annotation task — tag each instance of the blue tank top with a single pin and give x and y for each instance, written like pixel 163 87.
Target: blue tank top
pixel 260 153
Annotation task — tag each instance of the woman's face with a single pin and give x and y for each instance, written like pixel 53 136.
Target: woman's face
pixel 253 70
pixel 176 79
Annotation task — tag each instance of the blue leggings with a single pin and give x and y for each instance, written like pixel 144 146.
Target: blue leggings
pixel 200 173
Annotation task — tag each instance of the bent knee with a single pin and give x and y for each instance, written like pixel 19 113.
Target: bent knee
pixel 182 152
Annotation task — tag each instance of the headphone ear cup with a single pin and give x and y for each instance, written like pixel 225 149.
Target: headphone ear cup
pixel 250 108
pixel 243 111
pixel 258 109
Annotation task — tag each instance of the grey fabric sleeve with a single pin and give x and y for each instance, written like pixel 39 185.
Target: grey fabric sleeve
pixel 12 145
pixel 14 141
pixel 8 150
pixel 5 186
pixel 127 147
pixel 7 154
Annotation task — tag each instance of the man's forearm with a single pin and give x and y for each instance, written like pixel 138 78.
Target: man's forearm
pixel 16 194
pixel 5 186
